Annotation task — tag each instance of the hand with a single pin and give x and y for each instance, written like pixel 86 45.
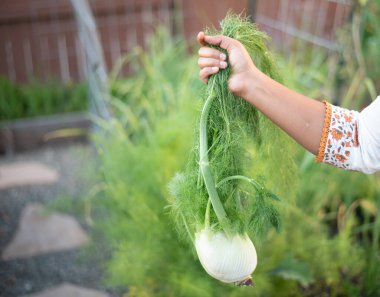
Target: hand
pixel 299 116
pixel 211 60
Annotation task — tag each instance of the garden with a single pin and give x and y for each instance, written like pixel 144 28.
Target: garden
pixel 315 228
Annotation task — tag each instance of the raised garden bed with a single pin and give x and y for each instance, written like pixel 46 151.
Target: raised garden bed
pixel 26 134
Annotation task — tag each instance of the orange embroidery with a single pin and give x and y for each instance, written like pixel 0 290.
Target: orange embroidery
pixel 340 157
pixel 325 132
pixel 348 118
pixel 356 140
pixel 342 136
pixel 336 134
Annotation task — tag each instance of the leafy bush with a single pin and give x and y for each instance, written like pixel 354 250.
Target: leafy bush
pixel 37 98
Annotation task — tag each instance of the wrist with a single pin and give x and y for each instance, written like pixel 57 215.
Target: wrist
pixel 254 84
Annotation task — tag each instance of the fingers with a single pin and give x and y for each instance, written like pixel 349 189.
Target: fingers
pixel 206 72
pixel 208 52
pixel 201 38
pixel 209 62
pixel 210 59
pixel 219 40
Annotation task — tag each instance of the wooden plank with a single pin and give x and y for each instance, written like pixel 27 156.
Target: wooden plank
pixel 26 134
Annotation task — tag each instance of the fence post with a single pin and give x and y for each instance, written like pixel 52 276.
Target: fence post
pixel 252 4
pixel 96 73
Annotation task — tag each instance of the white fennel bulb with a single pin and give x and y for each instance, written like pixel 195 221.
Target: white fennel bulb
pixel 228 259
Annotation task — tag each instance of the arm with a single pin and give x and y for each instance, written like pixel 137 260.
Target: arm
pixel 299 116
pixel 338 136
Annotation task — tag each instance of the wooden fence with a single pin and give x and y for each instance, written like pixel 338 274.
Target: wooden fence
pixel 313 21
pixel 38 38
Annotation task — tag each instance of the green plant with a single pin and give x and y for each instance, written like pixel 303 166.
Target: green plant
pixel 141 150
pixel 146 145
pixel 232 133
pixel 37 98
pixel 329 198
pixel 346 204
pixel 308 74
pixel 356 77
pixel 370 40
pixel 148 141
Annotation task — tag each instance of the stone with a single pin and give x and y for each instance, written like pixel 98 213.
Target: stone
pixel 26 173
pixel 66 290
pixel 40 232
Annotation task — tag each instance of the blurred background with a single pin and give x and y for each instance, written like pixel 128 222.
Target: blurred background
pixel 98 101
pixel 39 39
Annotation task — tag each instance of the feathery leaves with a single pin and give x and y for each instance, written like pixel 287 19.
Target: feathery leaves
pixel 238 138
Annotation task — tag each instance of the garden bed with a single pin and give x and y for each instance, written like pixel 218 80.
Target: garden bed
pixel 26 134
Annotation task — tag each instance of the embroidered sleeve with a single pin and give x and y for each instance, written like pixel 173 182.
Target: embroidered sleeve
pixel 325 132
pixel 339 137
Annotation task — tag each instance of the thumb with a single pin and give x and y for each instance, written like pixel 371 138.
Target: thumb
pixel 220 40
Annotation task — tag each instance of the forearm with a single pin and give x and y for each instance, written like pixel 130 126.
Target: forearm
pixel 299 116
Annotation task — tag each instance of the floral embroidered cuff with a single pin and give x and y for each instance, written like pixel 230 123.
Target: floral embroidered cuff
pixel 339 136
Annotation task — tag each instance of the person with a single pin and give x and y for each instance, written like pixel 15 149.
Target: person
pixel 337 136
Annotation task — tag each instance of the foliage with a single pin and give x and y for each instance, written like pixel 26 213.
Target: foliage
pixel 237 135
pixel 370 40
pixel 347 205
pixel 308 74
pixel 37 98
pixel 347 77
pixel 357 78
pixel 329 243
pixel 334 195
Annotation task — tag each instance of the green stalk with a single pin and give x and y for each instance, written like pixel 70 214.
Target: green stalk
pixel 187 227
pixel 241 177
pixel 207 215
pixel 204 163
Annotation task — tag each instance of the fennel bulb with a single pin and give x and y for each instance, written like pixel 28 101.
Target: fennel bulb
pixel 229 259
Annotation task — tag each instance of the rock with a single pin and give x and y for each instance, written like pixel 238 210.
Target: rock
pixel 26 173
pixel 40 232
pixel 69 290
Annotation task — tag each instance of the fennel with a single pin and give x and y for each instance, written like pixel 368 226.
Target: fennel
pixel 229 130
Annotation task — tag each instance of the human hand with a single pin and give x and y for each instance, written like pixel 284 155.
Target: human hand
pixel 211 60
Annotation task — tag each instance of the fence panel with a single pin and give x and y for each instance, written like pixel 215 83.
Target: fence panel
pixel 38 38
pixel 314 21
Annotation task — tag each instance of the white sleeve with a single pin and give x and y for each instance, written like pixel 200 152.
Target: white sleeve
pixel 367 156
pixel 351 140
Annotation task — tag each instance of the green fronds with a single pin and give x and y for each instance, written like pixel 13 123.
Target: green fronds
pixel 240 142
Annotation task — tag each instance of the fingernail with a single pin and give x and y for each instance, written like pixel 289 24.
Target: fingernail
pixel 215 68
pixel 223 64
pixel 223 56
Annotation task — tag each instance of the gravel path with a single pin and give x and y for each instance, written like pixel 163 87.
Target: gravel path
pixel 76 166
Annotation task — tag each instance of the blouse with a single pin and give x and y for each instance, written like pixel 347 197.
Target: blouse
pixel 351 139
